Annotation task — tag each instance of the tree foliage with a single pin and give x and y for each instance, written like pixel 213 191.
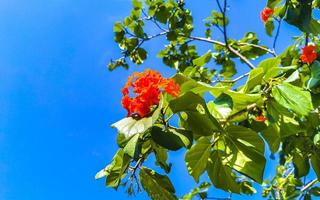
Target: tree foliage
pixel 224 135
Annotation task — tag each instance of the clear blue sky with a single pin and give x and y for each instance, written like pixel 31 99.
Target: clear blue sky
pixel 57 99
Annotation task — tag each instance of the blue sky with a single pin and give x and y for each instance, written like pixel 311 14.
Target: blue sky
pixel 58 99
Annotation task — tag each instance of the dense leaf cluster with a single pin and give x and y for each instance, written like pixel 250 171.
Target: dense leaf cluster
pixel 221 133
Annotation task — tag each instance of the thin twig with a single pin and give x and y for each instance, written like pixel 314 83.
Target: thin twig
pixel 243 58
pixel 233 80
pixel 277 35
pixel 153 20
pixel 259 47
pixel 307 39
pixel 223 11
pixel 310 184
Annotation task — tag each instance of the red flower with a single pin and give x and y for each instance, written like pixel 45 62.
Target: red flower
pixel 308 54
pixel 266 13
pixel 261 118
pixel 147 87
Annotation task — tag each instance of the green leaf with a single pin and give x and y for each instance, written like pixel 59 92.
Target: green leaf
pixel 254 79
pixel 242 101
pixel 270 67
pixel 293 98
pixel 228 68
pixel 202 60
pixel 315 75
pixel 284 120
pixel 246 152
pixel 301 164
pixel 221 107
pixel 117 28
pixel 315 191
pixel 199 119
pixel 138 56
pixel 162 14
pixel 122 140
pixel 201 191
pixel 171 138
pixel 293 77
pixel 316 140
pixel 197 157
pixel 161 157
pixel 190 85
pixel 129 126
pixel 115 171
pixel 132 147
pixel 273 3
pixel 158 186
pixel 221 175
pixel 269 26
pixel 272 136
pixel 315 161
pixel 300 15
pixel 137 4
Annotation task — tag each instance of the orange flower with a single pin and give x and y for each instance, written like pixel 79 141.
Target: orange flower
pixel 147 87
pixel 266 13
pixel 261 118
pixel 308 54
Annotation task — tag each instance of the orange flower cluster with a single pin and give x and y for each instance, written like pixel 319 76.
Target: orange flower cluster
pixel 309 54
pixel 261 118
pixel 147 86
pixel 266 13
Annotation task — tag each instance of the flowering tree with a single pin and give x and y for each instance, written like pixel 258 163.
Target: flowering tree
pixel 225 134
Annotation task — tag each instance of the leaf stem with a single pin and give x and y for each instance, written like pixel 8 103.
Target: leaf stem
pixel 277 35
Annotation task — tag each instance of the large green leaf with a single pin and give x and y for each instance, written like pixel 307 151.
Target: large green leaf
pixel 161 157
pixel 115 171
pixel 293 98
pixel 171 138
pixel 132 147
pixel 202 60
pixel 301 164
pixel 199 119
pixel 245 150
pixel 284 123
pixel 272 136
pixel 190 85
pixel 221 175
pixel 130 126
pixel 269 63
pixel 158 186
pixel 221 107
pixel 197 157
pixel 270 67
pixel 242 101
pixel 300 15
pixel 254 79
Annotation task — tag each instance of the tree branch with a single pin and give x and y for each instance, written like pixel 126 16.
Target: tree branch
pixel 243 58
pixel 310 184
pixel 231 49
pixel 232 81
pixel 259 47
